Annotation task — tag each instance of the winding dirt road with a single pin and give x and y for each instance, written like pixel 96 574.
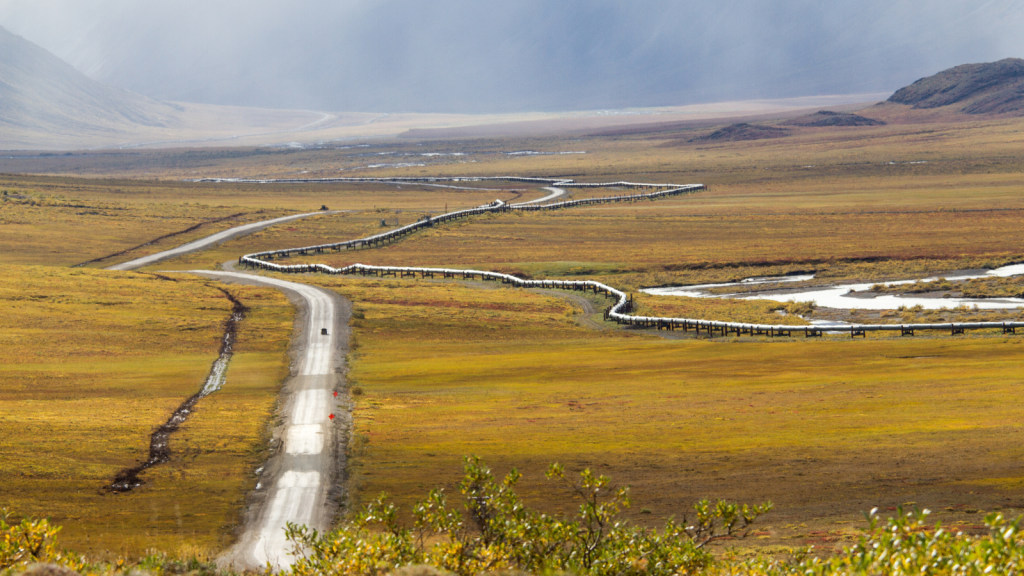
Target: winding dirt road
pixel 300 482
pixel 209 241
pixel 554 193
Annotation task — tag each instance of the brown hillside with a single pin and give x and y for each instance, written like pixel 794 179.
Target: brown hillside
pixel 990 88
pixel 824 118
pixel 742 131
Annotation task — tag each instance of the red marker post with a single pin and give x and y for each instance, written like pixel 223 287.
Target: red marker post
pixel 331 416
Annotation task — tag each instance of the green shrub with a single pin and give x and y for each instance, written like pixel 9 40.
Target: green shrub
pixel 801 308
pixel 494 531
pixel 29 542
pixel 905 544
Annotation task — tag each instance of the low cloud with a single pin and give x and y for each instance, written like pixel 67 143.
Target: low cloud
pixel 471 56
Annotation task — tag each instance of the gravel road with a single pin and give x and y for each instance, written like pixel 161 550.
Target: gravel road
pixel 209 241
pixel 554 193
pixel 301 480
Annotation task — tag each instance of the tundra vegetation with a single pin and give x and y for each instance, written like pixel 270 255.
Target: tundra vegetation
pixel 93 361
pixel 493 532
pixel 825 429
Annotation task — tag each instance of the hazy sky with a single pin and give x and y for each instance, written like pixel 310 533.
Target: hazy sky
pixel 484 55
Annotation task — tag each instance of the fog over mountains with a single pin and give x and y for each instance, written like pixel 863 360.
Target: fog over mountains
pixel 39 92
pixel 472 56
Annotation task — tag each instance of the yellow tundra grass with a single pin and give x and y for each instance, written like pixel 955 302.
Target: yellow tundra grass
pixel 92 362
pixel 825 428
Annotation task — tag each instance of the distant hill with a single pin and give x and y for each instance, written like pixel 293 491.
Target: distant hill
pixel 823 118
pixel 991 88
pixel 46 104
pixel 742 131
pixel 41 93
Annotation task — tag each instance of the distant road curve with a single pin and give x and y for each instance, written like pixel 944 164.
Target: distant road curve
pixel 555 193
pixel 209 240
pixel 297 480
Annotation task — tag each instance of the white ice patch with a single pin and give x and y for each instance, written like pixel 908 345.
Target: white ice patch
pixel 395 165
pixel 838 296
pixel 696 288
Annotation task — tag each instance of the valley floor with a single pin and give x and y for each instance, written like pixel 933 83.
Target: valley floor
pixel 826 429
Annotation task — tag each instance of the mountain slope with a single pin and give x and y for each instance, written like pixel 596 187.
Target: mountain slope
pixel 47 104
pixel 40 92
pixel 989 88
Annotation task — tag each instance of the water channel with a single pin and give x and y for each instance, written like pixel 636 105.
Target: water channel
pixel 845 296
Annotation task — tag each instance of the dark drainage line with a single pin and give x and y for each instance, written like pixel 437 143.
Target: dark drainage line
pixel 159 442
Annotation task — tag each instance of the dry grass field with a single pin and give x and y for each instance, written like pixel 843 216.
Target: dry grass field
pixel 905 192
pixel 825 428
pixel 93 362
pixel 633 239
pixel 67 222
pixel 64 222
pixel 879 202
pixel 913 144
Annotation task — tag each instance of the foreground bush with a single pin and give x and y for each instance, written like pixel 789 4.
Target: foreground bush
pixel 905 545
pixel 31 541
pixel 530 542
pixel 496 532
